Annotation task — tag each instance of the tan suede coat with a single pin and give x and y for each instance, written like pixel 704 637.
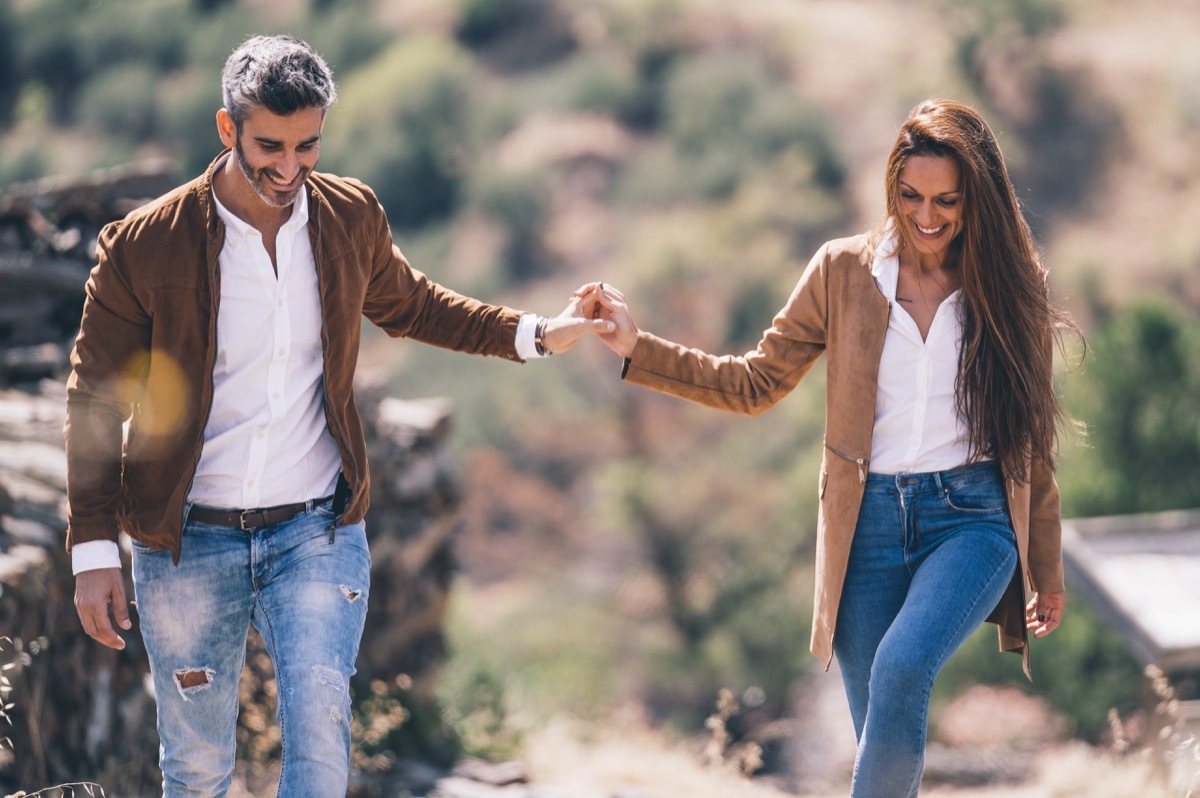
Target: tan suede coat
pixel 148 341
pixel 837 309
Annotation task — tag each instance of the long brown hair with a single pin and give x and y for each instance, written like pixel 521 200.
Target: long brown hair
pixel 1004 389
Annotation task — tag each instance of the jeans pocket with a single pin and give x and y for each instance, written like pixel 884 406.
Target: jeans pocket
pixel 981 498
pixel 324 509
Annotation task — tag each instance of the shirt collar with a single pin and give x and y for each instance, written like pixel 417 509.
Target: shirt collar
pixel 237 230
pixel 885 268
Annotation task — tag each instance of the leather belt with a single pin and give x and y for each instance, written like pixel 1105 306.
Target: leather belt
pixel 249 520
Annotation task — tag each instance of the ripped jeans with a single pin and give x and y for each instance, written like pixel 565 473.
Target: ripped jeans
pixel 305 595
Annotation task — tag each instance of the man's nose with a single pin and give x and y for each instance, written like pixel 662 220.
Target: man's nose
pixel 288 165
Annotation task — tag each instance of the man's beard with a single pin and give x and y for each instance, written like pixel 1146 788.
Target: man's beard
pixel 262 186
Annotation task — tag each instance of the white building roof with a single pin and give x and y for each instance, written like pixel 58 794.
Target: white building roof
pixel 1141 573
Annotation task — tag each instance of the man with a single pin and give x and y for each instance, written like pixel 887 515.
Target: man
pixel 211 416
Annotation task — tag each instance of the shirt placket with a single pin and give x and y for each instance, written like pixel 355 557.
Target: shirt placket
pixel 274 291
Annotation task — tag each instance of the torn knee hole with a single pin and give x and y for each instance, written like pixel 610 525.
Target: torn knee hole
pixel 193 678
pixel 351 593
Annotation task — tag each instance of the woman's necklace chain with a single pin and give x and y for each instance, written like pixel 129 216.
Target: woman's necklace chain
pixel 917 272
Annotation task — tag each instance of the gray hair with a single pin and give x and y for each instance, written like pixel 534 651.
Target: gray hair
pixel 280 73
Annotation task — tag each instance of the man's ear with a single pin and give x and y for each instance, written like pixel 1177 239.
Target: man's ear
pixel 226 128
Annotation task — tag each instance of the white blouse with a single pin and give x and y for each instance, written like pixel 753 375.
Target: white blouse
pixel 917 427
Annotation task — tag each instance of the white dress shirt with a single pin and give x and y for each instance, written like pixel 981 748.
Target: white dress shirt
pixel 917 426
pixel 266 441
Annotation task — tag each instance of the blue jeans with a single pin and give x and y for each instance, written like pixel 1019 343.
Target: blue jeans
pixel 931 558
pixel 306 595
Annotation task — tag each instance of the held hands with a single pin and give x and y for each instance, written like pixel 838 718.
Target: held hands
pixel 602 301
pixel 577 319
pixel 1044 612
pixel 94 592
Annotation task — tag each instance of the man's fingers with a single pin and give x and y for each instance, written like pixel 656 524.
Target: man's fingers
pixel 98 627
pixel 120 607
pixel 95 591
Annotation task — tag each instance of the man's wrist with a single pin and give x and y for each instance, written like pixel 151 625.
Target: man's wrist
pixel 95 554
pixel 539 338
pixel 526 329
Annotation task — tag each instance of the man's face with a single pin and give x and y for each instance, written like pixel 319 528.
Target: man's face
pixel 276 153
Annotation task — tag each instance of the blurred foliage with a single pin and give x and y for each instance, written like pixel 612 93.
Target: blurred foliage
pixel 1062 124
pixel 391 724
pixel 418 91
pixel 727 117
pixel 1082 670
pixel 519 202
pixel 1139 394
pixel 514 36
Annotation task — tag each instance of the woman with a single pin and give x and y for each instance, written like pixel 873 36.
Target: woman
pixel 938 505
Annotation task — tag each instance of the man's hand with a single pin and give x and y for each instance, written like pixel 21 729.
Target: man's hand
pixel 94 592
pixel 576 320
pixel 603 301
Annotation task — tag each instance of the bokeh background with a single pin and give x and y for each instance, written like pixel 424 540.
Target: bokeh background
pixel 623 558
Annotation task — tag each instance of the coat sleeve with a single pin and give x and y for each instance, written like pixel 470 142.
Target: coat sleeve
pixel 756 381
pixel 405 303
pixel 1045 531
pixel 108 369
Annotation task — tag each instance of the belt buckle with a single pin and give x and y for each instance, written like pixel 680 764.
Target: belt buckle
pixel 242 520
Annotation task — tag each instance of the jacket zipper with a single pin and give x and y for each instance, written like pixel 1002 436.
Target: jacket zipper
pixel 860 461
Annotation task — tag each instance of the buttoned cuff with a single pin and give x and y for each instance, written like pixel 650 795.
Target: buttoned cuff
pixel 526 329
pixel 95 554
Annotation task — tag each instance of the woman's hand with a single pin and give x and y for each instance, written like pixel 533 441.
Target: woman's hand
pixel 1044 612
pixel 576 320
pixel 602 301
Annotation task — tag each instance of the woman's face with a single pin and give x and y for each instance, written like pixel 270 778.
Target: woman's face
pixel 929 200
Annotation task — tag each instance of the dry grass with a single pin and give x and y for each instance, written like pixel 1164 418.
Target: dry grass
pixel 631 757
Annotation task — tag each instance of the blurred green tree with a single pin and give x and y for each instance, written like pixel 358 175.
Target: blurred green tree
pixel 401 125
pixel 9 85
pixel 1139 395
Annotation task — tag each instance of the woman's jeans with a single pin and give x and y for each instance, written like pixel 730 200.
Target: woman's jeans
pixel 307 597
pixel 931 558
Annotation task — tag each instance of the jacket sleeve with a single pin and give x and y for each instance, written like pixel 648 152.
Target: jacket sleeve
pixel 1045 531
pixel 108 370
pixel 405 303
pixel 756 381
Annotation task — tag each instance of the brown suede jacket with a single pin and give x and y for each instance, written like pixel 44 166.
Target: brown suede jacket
pixel 148 340
pixel 837 309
